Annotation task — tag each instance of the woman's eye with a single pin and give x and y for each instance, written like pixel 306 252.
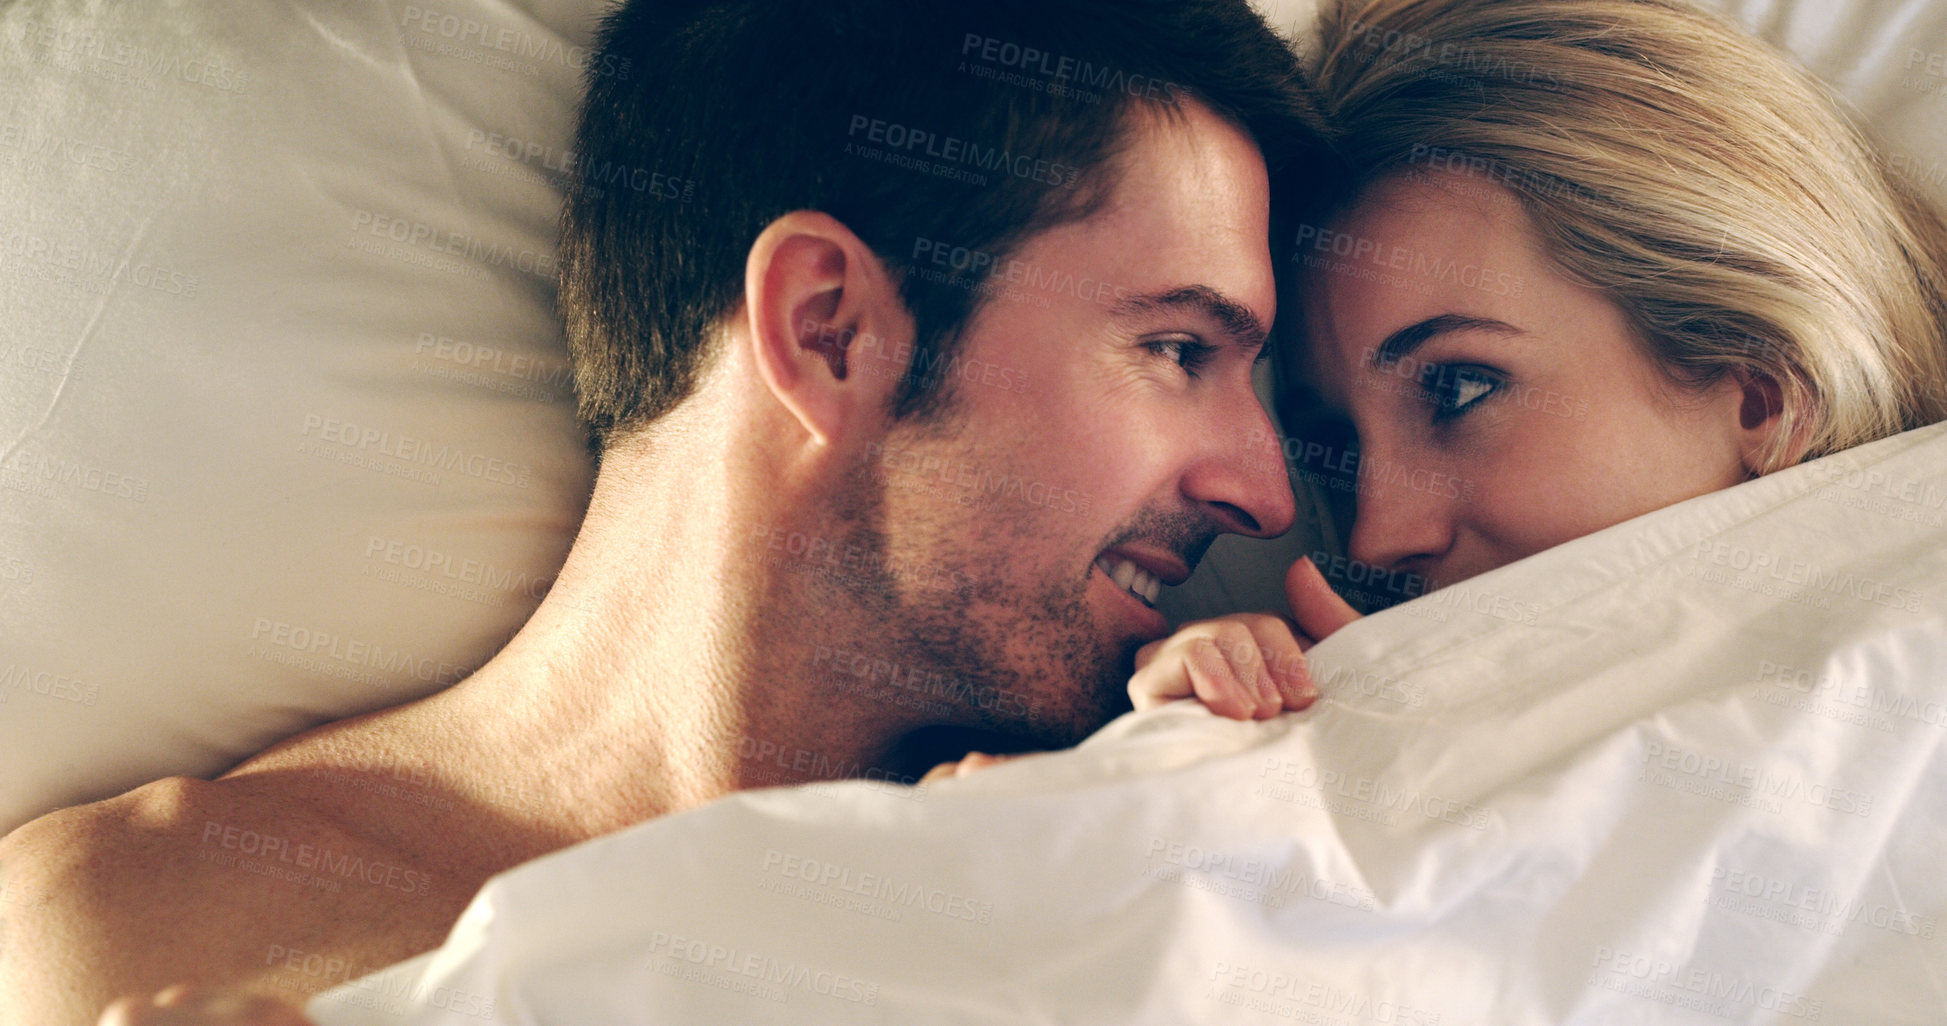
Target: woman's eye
pixel 1454 390
pixel 1185 353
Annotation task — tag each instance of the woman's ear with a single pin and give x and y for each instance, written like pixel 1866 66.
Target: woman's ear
pixel 1770 437
pixel 829 333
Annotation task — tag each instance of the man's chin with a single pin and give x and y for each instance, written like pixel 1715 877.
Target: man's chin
pixel 1094 696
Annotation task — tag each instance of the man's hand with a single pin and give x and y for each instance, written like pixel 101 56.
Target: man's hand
pixel 1246 665
pixel 185 1006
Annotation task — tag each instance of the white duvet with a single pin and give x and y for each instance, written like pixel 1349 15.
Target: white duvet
pixel 1688 769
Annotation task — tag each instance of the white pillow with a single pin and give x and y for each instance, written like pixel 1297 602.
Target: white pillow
pixel 286 427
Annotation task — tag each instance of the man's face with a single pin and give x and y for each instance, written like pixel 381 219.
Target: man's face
pixel 1098 429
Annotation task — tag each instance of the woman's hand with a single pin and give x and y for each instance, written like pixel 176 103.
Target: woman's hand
pixel 184 1006
pixel 1247 666
pixel 972 761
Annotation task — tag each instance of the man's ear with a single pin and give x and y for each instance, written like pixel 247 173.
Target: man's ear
pixel 828 330
pixel 1768 439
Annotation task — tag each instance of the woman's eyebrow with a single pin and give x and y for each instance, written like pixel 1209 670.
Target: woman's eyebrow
pixel 1403 342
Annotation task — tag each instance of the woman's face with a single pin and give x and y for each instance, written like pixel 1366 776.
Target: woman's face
pixel 1499 409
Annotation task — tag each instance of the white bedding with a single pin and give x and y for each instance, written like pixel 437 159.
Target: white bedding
pixel 1688 769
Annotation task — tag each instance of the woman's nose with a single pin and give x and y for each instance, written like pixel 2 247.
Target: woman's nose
pixel 1405 516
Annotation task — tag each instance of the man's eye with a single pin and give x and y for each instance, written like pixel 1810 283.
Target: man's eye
pixel 1455 390
pixel 1185 353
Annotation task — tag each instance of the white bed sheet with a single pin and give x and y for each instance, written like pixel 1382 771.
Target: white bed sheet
pixel 1687 769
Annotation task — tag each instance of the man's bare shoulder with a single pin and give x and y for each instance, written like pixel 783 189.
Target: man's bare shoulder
pixel 70 882
pixel 169 883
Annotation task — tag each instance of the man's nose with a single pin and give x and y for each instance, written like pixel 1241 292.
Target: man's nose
pixel 1402 519
pixel 1242 483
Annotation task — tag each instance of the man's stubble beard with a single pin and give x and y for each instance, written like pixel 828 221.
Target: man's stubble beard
pixel 992 647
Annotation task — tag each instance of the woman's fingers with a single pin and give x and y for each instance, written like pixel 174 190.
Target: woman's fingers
pixel 1216 682
pixel 968 764
pixel 1213 661
pixel 978 761
pixel 938 773
pixel 1243 666
pixel 1284 661
pixel 1239 643
pixel 1161 676
pixel 186 1006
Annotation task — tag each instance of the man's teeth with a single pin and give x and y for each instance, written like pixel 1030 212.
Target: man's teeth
pixel 1131 578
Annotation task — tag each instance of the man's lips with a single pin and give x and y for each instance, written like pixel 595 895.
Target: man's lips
pixel 1142 571
pixel 1139 575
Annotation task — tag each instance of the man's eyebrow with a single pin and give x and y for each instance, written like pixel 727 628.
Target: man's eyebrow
pixel 1400 344
pixel 1240 326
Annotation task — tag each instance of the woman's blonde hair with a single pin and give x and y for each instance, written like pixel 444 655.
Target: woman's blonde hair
pixel 1708 186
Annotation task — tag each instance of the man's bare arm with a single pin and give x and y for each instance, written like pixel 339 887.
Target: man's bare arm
pixel 51 961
